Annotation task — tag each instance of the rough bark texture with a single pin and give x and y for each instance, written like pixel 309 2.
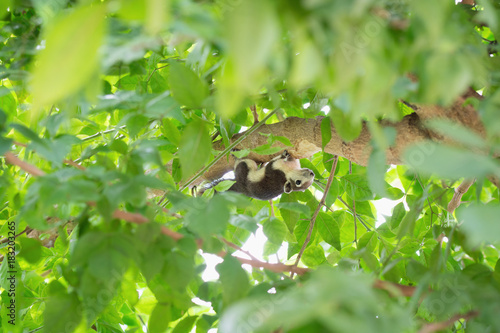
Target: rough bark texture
pixel 305 135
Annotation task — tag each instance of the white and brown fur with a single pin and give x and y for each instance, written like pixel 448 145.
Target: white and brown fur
pixel 282 174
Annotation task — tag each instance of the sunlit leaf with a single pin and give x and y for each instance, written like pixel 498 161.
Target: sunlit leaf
pixel 356 186
pixel 187 88
pixel 328 229
pixel 234 279
pixel 71 56
pixel 275 230
pixel 195 148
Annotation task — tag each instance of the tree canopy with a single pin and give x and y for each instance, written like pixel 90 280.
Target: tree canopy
pixel 114 113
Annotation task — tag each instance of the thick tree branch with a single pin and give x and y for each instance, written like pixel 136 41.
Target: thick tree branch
pixel 305 135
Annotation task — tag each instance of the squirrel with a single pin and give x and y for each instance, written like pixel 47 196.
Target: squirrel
pixel 282 174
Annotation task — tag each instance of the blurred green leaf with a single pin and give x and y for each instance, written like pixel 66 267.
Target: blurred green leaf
pixel 185 325
pixel 71 56
pixel 449 162
pixel 160 318
pixel 480 223
pixel 275 230
pixel 62 309
pixel 31 249
pixel 376 171
pixel 234 279
pixel 195 148
pixel 326 132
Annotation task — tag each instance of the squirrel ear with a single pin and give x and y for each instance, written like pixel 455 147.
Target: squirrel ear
pixel 288 187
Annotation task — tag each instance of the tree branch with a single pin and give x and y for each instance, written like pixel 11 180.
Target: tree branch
pixel 305 135
pixel 459 192
pixel 434 327
pixel 29 168
pixel 395 289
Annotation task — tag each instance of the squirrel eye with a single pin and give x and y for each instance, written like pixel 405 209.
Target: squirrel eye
pixel 298 182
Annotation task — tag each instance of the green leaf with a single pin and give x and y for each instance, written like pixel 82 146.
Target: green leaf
pixel 266 149
pixel 275 230
pixel 329 229
pixel 62 309
pixel 368 241
pixel 333 193
pixel 207 218
pixel 187 88
pixel 178 270
pixel 8 105
pixel 250 47
pixel 5 145
pixel 31 249
pixel 71 55
pixel 398 212
pixel 449 162
pixel 370 261
pixel 408 223
pixel 294 207
pixel 314 256
pixel 224 185
pixel 480 223
pixel 170 131
pixel 376 171
pixel 326 131
pixel 185 325
pixel 347 231
pixel 347 129
pixel 234 279
pixel 195 148
pixel 457 132
pixel 244 222
pixel 356 186
pixel 160 318
pixel 290 217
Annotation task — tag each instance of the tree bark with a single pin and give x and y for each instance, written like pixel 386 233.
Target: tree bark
pixel 305 135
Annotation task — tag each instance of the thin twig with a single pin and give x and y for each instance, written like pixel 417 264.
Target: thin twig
pixel 277 267
pixel 354 212
pixel 170 233
pixel 26 230
pixel 74 164
pixel 362 221
pixel 435 327
pixel 154 71
pixel 70 162
pixel 29 168
pixel 166 211
pixel 236 247
pixel 391 287
pixel 34 171
pixel 316 212
pixel 90 137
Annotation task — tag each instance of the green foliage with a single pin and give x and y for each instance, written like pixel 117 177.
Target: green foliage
pixel 113 106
